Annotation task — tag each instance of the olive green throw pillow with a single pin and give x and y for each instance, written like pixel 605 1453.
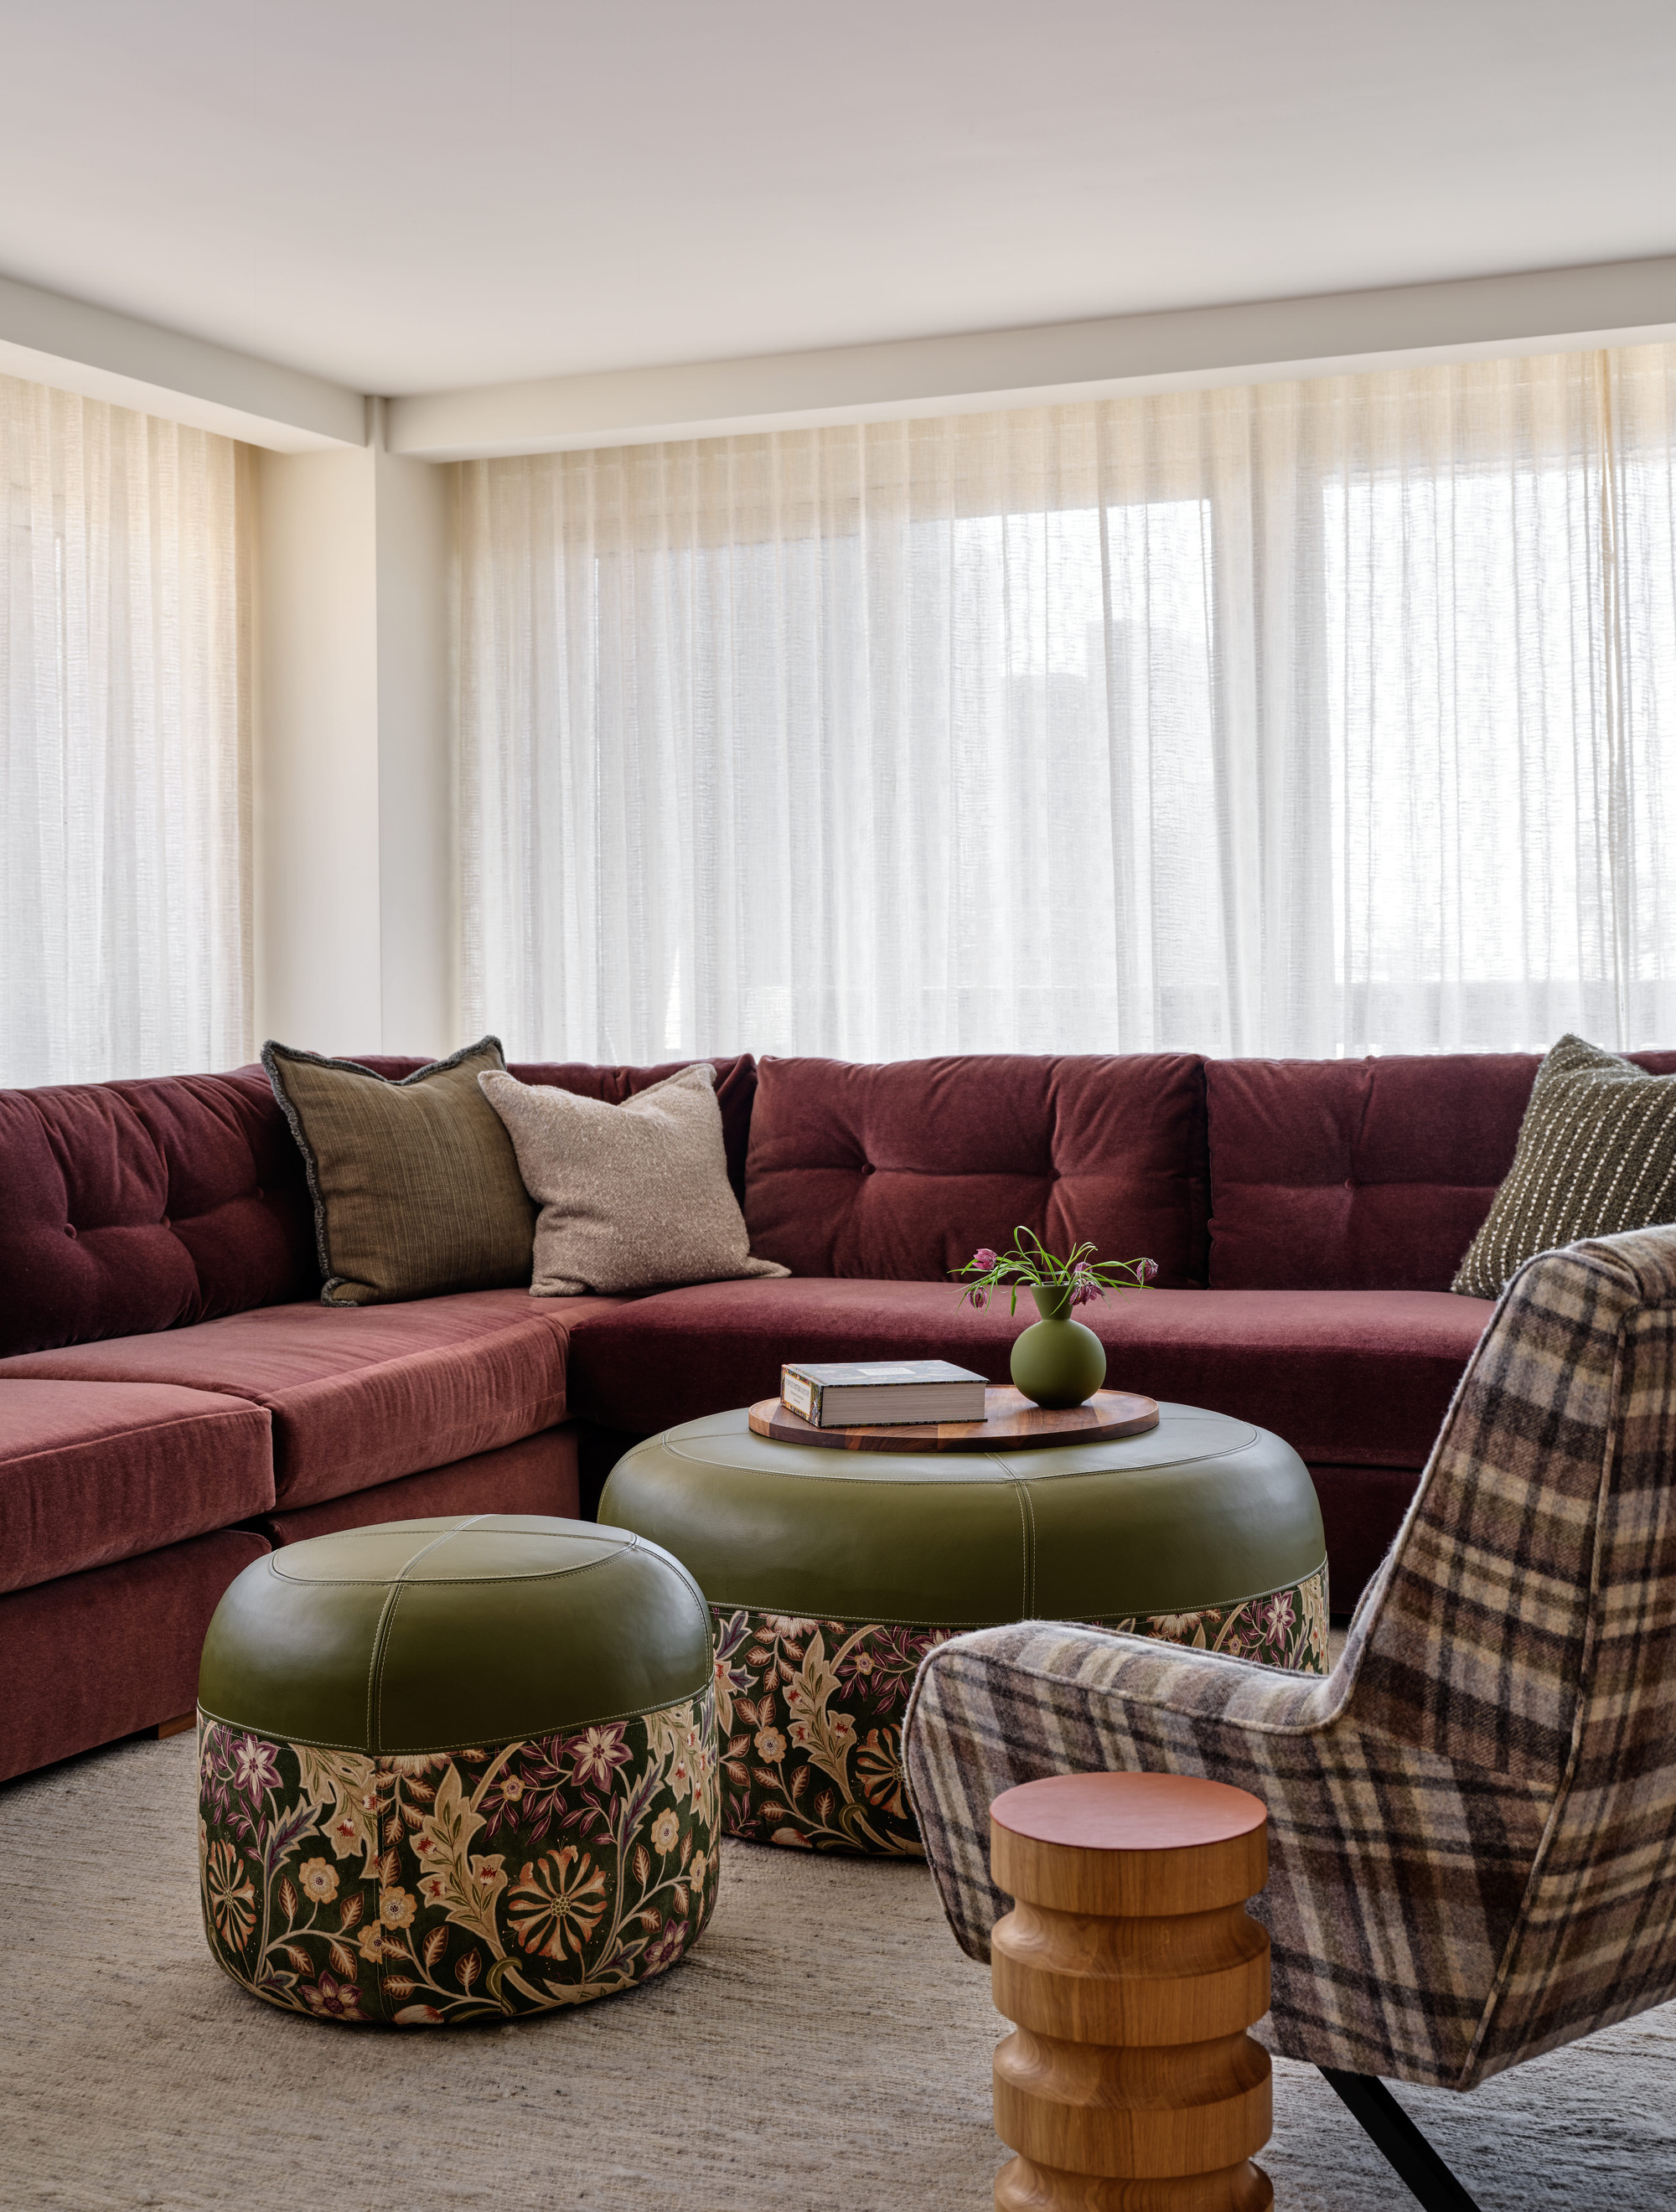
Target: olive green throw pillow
pixel 416 1184
pixel 1596 1155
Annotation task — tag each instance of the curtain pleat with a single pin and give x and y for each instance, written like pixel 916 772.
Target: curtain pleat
pixel 1316 718
pixel 125 744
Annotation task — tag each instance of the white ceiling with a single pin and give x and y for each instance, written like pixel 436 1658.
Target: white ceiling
pixel 409 195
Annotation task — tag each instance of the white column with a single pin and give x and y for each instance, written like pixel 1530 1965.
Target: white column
pixel 354 899
pixel 418 905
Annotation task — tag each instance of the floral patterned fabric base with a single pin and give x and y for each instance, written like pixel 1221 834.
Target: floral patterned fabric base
pixel 1283 1628
pixel 810 1712
pixel 443 1886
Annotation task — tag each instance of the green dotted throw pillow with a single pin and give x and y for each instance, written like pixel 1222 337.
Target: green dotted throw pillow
pixel 1596 1156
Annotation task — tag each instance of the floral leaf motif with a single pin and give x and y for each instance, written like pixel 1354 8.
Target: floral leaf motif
pixel 399 1986
pixel 343 1959
pixel 343 1785
pixel 466 1888
pixel 730 1680
pixel 288 1898
pixel 350 1914
pixel 467 1969
pixel 671 1734
pixel 435 1944
pixel 634 1806
pixel 825 1736
pixel 280 1835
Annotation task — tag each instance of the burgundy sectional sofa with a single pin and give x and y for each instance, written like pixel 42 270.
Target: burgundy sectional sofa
pixel 174 1399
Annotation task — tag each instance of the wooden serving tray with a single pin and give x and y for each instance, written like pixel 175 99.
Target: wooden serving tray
pixel 1010 1423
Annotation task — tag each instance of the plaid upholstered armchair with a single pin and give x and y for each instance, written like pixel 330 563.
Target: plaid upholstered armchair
pixel 1472 1819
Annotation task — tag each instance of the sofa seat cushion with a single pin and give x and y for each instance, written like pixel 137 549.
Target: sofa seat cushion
pixel 1351 1378
pixel 91 1473
pixel 361 1395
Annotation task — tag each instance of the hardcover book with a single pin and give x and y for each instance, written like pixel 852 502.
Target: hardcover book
pixel 845 1393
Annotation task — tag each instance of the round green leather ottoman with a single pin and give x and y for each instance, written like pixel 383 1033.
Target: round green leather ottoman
pixel 455 1769
pixel 830 1574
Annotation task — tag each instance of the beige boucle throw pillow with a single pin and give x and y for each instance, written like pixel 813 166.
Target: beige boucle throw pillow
pixel 632 1197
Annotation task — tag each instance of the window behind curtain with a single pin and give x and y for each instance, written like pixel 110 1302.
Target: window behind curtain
pixel 124 775
pixel 1315 718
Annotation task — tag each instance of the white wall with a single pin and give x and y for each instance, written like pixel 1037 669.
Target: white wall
pixel 353 894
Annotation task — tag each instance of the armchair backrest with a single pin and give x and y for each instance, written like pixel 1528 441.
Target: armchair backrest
pixel 1525 1623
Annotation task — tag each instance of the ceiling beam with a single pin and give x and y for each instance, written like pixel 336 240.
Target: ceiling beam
pixel 104 355
pixel 1610 303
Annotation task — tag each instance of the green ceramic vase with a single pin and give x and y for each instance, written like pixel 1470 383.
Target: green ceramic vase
pixel 1058 1361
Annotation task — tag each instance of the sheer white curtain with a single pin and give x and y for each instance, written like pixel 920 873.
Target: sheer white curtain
pixel 1316 718
pixel 124 783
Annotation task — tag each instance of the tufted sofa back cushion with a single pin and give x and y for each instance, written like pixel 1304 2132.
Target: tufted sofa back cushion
pixel 902 1170
pixel 1361 1174
pixel 132 1206
pixel 126 1207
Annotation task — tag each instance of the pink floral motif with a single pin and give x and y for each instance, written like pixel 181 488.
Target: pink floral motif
pixel 596 1756
pixel 332 1999
pixel 666 1948
pixel 255 1765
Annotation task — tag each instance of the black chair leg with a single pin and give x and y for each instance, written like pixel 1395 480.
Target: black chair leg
pixel 1392 2131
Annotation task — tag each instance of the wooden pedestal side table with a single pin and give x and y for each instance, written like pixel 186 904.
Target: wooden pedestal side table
pixel 1132 1970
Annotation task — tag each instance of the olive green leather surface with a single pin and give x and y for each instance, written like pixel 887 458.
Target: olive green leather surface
pixel 1199 1511
pixel 435 1635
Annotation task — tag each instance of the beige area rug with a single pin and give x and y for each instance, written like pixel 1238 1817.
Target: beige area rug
pixel 825 2048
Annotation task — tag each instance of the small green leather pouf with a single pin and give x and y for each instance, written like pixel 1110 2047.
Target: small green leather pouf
pixel 457 1769
pixel 831 1574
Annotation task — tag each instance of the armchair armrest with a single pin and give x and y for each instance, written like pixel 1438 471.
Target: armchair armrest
pixel 1003 1706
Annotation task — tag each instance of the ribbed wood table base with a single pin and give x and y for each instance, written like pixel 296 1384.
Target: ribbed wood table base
pixel 1132 1970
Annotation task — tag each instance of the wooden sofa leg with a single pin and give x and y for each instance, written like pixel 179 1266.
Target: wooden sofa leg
pixel 178 1726
pixel 1415 2163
